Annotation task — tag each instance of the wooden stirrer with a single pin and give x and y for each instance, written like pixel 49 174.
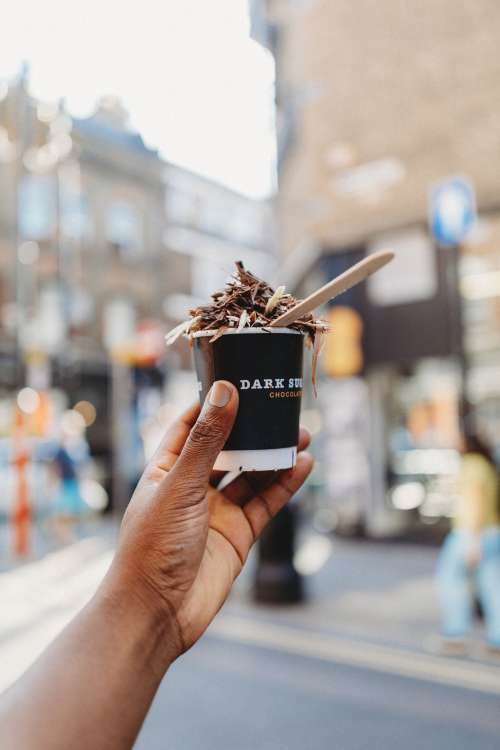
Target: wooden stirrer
pixel 333 288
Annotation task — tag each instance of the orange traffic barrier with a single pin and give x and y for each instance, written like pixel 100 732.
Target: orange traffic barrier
pixel 21 514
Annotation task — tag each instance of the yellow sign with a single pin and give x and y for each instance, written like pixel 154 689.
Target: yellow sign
pixel 343 354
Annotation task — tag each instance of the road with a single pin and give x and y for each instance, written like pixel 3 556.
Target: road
pixel 346 670
pixel 245 698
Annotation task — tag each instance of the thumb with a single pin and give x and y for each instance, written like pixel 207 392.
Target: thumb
pixel 209 434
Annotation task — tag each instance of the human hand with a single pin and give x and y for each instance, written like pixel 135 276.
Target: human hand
pixel 182 542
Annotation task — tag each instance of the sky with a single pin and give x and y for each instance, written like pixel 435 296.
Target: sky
pixel 196 86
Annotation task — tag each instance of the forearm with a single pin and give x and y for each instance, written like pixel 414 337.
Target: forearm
pixel 93 686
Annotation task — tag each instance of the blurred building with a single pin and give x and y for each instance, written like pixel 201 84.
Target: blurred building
pixel 377 102
pixel 81 237
pixel 208 227
pixel 104 247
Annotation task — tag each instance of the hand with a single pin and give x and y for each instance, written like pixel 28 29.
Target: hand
pixel 182 542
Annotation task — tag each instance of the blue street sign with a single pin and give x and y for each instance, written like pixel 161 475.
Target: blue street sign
pixel 452 210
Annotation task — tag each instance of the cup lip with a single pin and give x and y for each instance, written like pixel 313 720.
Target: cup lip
pixel 233 331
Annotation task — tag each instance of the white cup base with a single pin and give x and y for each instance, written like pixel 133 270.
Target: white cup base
pixel 257 460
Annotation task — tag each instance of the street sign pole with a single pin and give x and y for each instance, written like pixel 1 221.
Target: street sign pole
pixel 452 215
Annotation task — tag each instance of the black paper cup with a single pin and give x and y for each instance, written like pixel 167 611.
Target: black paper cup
pixel 266 368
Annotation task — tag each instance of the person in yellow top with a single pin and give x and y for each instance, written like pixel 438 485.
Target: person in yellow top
pixel 471 552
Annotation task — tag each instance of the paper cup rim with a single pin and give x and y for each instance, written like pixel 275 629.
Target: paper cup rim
pixel 233 331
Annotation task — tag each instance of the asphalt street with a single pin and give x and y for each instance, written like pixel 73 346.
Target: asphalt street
pixel 245 698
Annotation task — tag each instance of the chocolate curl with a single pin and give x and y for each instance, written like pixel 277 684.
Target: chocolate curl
pixel 278 294
pixel 319 340
pixel 243 320
pixel 220 332
pixel 174 334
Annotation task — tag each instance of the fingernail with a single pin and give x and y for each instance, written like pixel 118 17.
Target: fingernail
pixel 219 394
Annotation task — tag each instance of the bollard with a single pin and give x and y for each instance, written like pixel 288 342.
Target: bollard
pixel 276 580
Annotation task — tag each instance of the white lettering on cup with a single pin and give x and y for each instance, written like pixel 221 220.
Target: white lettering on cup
pixel 244 385
pixel 256 384
pixel 268 383
pixel 279 382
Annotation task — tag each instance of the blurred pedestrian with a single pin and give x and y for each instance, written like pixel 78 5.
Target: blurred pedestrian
pixel 182 544
pixel 470 557
pixel 69 505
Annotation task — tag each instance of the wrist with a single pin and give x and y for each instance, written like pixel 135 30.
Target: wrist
pixel 148 628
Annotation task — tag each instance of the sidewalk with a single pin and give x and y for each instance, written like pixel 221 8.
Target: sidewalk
pixel 39 596
pixel 42 541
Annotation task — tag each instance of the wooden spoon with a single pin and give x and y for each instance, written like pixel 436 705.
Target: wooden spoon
pixel 336 286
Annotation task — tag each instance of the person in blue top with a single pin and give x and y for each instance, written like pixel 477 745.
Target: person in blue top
pixel 68 503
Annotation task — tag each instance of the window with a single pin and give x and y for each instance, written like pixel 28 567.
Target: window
pixel 76 222
pixel 181 206
pixel 124 230
pixel 37 206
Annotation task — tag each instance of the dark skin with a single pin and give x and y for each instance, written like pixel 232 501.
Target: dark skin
pixel 182 544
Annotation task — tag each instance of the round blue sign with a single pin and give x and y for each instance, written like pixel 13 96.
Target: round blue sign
pixel 452 210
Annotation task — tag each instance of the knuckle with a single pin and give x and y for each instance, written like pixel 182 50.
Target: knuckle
pixel 206 432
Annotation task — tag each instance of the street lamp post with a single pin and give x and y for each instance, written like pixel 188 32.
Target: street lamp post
pixel 119 332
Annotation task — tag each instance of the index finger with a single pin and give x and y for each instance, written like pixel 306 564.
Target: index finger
pixel 173 441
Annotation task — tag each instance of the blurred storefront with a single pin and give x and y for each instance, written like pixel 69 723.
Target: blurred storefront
pixel 374 107
pixel 392 390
